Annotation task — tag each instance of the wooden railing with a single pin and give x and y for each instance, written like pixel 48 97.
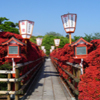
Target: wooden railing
pixel 73 78
pixel 20 86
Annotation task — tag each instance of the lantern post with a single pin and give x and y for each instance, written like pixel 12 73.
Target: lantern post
pixel 42 47
pixel 57 43
pixel 26 30
pixel 39 42
pixel 52 47
pixel 69 23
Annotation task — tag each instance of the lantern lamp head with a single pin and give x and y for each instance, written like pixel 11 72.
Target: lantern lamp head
pixel 42 47
pixel 38 41
pixel 26 28
pixel 69 22
pixel 52 47
pixel 57 42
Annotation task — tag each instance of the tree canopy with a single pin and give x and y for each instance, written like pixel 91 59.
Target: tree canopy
pixel 87 37
pixel 48 40
pixel 8 26
pixel 53 33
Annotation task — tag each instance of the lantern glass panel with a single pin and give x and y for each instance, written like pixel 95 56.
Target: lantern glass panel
pixel 24 36
pixel 28 36
pixel 72 20
pixel 13 49
pixel 39 41
pixel 81 50
pixel 29 27
pixel 57 42
pixel 23 27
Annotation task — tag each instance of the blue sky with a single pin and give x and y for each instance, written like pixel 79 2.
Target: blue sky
pixel 47 14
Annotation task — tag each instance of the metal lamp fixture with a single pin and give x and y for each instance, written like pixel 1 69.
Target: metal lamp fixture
pixel 38 41
pixel 57 43
pixel 69 23
pixel 26 28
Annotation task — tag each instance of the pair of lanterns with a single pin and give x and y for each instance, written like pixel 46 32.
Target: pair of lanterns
pixel 68 20
pixel 52 48
pixel 43 48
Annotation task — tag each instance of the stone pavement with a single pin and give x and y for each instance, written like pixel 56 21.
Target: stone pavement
pixel 47 85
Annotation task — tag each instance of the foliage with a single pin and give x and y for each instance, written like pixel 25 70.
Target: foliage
pixel 33 53
pixel 6 66
pixel 91 77
pixel 87 37
pixel 8 26
pixel 54 34
pixel 96 36
pixel 48 40
pixel 75 38
pixel 33 38
pixel 89 86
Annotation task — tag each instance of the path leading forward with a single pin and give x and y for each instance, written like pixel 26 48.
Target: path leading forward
pixel 47 85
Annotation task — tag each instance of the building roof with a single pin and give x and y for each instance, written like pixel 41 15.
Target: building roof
pixel 15 40
pixel 79 41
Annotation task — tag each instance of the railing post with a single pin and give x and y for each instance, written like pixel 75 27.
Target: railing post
pixel 74 75
pixel 17 84
pixel 9 87
pixel 78 73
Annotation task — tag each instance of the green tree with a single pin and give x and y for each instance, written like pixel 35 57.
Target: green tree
pixel 75 38
pixel 48 41
pixel 53 33
pixel 8 26
pixel 88 37
pixel 33 38
pixel 96 36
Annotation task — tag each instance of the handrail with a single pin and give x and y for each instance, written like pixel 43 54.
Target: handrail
pixel 17 79
pixel 73 77
pixel 23 87
pixel 28 72
pixel 71 64
pixel 26 63
pixel 6 72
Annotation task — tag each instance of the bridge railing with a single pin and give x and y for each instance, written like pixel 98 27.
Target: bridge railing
pixel 73 76
pixel 22 77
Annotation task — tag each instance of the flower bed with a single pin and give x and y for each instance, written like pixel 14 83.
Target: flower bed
pixel 33 52
pixel 89 86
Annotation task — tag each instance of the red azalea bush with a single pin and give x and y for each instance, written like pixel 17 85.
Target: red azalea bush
pixel 64 54
pixel 33 52
pixel 89 86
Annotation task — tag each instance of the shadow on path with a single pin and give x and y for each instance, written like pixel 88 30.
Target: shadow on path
pixel 42 74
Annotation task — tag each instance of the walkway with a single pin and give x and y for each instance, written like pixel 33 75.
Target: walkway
pixel 47 85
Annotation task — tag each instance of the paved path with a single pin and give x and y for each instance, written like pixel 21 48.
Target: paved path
pixel 47 86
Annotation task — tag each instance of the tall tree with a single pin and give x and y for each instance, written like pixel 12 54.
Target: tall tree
pixel 8 26
pixel 53 33
pixel 48 40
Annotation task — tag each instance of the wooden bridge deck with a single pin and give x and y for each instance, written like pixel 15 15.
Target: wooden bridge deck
pixel 47 85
